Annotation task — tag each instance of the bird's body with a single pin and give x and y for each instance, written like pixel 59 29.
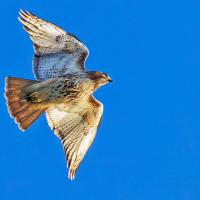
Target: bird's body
pixel 63 89
pixel 67 89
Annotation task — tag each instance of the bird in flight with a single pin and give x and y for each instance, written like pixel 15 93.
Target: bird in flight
pixel 63 89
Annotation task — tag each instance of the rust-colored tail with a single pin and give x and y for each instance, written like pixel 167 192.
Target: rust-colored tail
pixel 19 108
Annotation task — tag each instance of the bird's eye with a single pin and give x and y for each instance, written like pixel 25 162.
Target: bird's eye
pixel 104 75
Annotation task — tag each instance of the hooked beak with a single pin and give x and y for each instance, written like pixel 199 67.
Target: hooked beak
pixel 109 79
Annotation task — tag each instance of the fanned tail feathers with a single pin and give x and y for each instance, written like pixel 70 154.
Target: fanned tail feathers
pixel 18 107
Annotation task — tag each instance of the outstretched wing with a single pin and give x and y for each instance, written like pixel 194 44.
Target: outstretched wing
pixel 56 51
pixel 76 130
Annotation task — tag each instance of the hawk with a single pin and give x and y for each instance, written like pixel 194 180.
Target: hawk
pixel 63 89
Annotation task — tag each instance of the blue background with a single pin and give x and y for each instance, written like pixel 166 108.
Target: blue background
pixel 148 145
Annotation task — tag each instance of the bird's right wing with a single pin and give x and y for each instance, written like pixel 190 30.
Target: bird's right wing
pixel 76 130
pixel 56 51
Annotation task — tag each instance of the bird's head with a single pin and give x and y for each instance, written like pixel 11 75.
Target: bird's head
pixel 99 78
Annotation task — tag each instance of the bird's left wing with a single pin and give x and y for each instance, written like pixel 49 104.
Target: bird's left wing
pixel 76 130
pixel 56 52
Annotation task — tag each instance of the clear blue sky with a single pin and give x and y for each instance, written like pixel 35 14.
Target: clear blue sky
pixel 148 145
